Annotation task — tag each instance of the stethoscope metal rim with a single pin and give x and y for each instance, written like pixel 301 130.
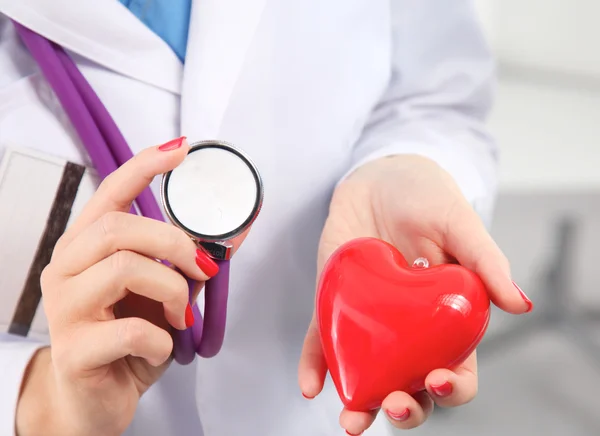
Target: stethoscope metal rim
pixel 222 238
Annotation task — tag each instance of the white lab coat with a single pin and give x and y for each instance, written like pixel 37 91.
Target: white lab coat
pixel 310 90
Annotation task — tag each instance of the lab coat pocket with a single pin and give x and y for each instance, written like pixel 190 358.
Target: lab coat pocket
pixel 39 196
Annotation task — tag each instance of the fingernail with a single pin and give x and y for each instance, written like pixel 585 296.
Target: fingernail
pixel 172 145
pixel 352 434
pixel 206 264
pixel 189 316
pixel 525 298
pixel 307 397
pixel 399 416
pixel 442 390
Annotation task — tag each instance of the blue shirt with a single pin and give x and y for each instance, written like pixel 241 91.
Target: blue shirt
pixel 169 19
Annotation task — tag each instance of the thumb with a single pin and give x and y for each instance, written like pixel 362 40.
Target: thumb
pixel 313 367
pixel 468 241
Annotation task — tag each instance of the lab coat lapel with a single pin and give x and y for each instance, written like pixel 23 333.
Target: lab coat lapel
pixel 220 35
pixel 105 32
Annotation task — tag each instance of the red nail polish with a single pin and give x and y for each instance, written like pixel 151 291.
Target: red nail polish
pixel 399 416
pixel 307 397
pixel 189 316
pixel 525 298
pixel 352 434
pixel 172 145
pixel 206 264
pixel 442 390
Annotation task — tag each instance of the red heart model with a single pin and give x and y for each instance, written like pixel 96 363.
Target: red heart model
pixel 385 326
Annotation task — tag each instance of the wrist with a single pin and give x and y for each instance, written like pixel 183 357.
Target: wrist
pixel 37 400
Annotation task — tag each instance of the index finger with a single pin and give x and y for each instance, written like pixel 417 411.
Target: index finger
pixel 469 242
pixel 117 192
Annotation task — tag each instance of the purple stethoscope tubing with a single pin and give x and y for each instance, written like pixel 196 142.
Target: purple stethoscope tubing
pixel 108 150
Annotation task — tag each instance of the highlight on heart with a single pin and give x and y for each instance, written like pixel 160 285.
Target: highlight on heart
pixel 384 324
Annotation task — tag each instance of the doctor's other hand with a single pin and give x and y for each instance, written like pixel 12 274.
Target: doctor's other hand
pixel 412 203
pixel 110 306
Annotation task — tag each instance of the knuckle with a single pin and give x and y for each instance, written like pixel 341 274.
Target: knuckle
pixel 122 261
pixel 175 240
pixel 107 183
pixel 111 224
pixel 67 316
pixel 132 332
pixel 59 246
pixel 170 240
pixel 51 285
pixel 58 309
pixel 46 278
pixel 166 347
pixel 181 289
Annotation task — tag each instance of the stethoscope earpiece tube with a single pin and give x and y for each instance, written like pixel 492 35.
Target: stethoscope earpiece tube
pixel 206 336
pixel 51 66
pixel 216 295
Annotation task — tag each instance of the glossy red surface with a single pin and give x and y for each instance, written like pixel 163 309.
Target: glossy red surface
pixel 385 325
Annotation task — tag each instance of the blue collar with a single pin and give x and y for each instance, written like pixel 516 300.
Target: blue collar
pixel 169 19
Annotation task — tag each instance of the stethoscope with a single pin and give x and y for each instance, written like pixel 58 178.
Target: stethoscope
pixel 214 196
pixel 228 194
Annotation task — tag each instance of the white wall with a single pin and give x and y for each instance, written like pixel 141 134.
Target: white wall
pixel 561 35
pixel 547 115
pixel 549 137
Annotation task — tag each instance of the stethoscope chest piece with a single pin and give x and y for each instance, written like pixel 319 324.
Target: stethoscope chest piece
pixel 214 195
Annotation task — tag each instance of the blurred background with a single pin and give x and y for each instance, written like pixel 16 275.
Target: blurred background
pixel 540 373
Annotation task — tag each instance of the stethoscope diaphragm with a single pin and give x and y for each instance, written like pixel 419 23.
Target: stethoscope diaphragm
pixel 214 195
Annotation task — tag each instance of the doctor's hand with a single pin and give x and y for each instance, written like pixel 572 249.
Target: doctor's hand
pixel 412 203
pixel 110 307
